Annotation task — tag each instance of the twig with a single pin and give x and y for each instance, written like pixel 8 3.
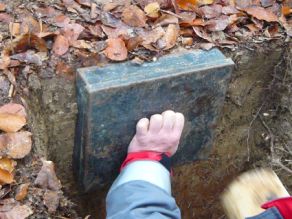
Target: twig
pixel 276 161
pixel 249 128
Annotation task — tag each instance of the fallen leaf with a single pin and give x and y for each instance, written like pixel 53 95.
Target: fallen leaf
pixel 229 10
pixel 163 3
pixel 252 27
pixel 169 39
pixel 261 14
pixel 267 3
pixel 152 36
pixel 10 122
pixel 96 30
pixel 187 41
pixel 65 70
pixel 166 19
pixel 243 3
pixel 46 12
pixel 28 41
pixel 84 2
pixel 30 57
pixel 2 7
pixel 47 178
pixel 218 24
pixel 17 212
pixel 134 42
pixel 13 108
pixel 22 191
pixel 60 20
pixel 14 28
pixel 206 46
pixel 7 164
pixel 15 145
pixel 81 44
pixel 122 31
pixel 134 16
pixel 195 22
pixel 5 18
pixel 61 45
pixel 200 32
pixel 286 10
pixel 51 200
pixel 286 25
pixel 212 11
pixel 30 25
pixel 72 31
pixel 116 49
pixel 109 20
pixel 6 177
pixel 108 6
pixel 152 10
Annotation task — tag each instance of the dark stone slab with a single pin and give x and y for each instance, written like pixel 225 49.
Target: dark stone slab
pixel 113 98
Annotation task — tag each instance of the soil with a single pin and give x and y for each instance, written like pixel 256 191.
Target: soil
pixel 254 131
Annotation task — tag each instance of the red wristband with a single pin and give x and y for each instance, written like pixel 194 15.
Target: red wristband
pixel 284 205
pixel 145 155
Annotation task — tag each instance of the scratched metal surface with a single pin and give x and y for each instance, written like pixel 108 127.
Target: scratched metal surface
pixel 113 98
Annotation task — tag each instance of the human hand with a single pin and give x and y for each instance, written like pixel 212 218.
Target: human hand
pixel 161 134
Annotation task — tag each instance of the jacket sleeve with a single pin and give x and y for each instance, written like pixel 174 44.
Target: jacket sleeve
pixel 142 190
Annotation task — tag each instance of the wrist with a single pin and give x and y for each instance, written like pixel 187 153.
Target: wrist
pixel 162 158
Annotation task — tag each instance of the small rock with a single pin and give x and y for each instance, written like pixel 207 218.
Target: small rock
pixel 51 200
pixel 47 178
pixel 22 192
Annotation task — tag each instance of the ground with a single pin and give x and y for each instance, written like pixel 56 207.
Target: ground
pixel 254 130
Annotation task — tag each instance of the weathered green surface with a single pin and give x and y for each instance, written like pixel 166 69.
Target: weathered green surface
pixel 112 99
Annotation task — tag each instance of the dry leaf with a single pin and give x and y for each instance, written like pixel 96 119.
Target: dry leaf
pixel 29 41
pixel 152 36
pixel 6 177
pixel 61 20
pixel 134 16
pixel 187 41
pixel 267 3
pixel 30 25
pixel 108 6
pixel 61 45
pixel 30 57
pixel 166 19
pixel 96 30
pixel 14 29
pixel 109 20
pixel 51 200
pixel 229 10
pixel 2 7
pixel 15 145
pixel 286 10
pixel 134 42
pixel 7 164
pixel 200 32
pixel 65 70
pixel 84 2
pixel 169 39
pixel 46 12
pixel 22 192
pixel 116 49
pixel 11 122
pixel 261 14
pixel 47 178
pixel 218 24
pixel 17 212
pixel 206 46
pixel 13 108
pixel 72 31
pixel 5 18
pixel 152 10
pixel 212 11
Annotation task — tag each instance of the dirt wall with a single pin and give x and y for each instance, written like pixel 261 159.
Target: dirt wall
pixel 196 186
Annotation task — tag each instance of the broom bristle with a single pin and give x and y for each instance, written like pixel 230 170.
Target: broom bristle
pixel 245 195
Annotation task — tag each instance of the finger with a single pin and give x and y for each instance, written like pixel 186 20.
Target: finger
pixel 168 120
pixel 155 123
pixel 142 126
pixel 179 123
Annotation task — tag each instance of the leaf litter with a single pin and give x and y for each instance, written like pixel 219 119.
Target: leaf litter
pixel 68 34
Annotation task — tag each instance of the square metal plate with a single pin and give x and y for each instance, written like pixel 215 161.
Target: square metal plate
pixel 113 98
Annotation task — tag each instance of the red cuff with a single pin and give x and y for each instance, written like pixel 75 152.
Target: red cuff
pixel 143 155
pixel 284 205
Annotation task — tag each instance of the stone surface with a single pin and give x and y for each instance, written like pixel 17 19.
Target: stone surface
pixel 113 98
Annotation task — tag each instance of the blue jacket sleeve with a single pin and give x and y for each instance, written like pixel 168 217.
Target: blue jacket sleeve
pixel 139 198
